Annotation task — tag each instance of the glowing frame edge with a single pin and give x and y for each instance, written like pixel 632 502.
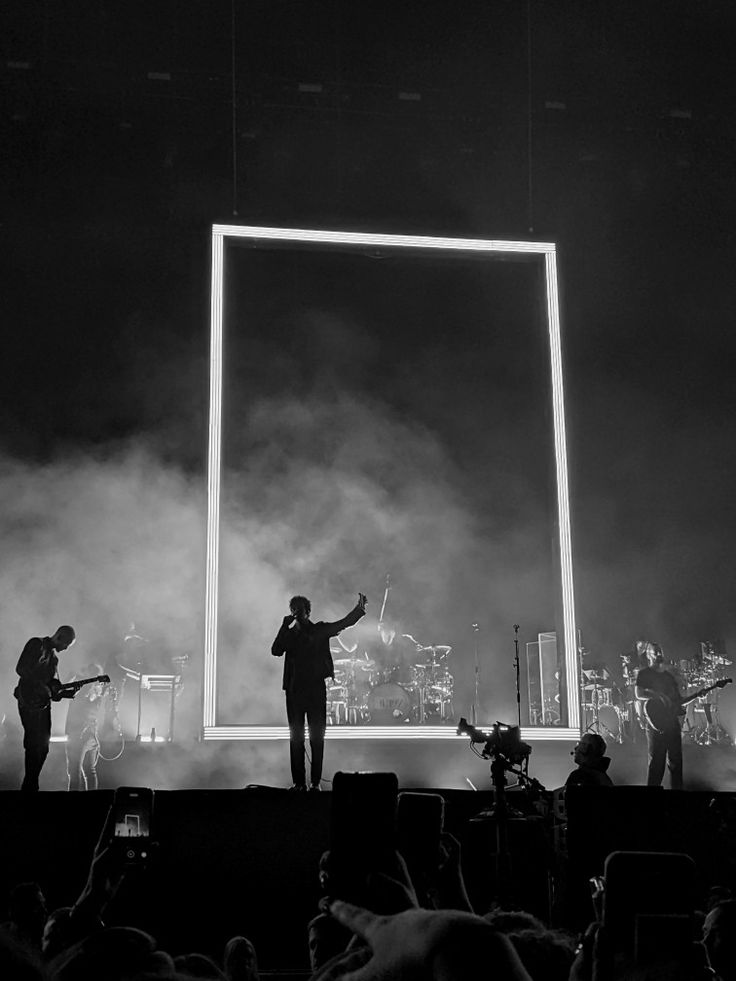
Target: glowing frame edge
pixel 210 730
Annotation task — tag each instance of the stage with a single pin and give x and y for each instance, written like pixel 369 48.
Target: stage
pixel 188 764
pixel 193 764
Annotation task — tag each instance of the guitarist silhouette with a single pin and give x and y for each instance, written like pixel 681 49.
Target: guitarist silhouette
pixel 39 685
pixel 664 743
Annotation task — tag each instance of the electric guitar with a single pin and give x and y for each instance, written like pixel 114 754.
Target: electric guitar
pixel 74 686
pixel 659 716
pixel 39 697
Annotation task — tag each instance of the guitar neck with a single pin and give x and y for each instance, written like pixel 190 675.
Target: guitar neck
pixel 76 685
pixel 699 694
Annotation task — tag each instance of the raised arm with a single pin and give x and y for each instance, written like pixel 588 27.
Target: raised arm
pixel 349 620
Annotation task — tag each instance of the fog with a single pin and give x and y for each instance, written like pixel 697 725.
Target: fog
pixel 378 497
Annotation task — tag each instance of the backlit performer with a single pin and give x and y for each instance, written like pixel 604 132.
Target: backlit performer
pixel 83 722
pixel 38 669
pixel 308 662
pixel 655 685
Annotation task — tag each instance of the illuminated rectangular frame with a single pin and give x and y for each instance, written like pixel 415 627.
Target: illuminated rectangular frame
pixel 210 729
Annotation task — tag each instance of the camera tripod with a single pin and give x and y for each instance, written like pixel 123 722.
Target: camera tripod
pixel 501 812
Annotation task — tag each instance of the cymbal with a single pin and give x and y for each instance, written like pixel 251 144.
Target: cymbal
pixel 136 637
pixel 365 664
pixel 598 684
pixel 436 650
pixel 716 659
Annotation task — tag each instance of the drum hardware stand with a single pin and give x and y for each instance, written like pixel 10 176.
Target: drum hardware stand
pixel 595 725
pixel 422 700
pixel 352 710
pixel 712 733
pixel 581 677
pixel 139 665
pixel 474 710
pixel 516 668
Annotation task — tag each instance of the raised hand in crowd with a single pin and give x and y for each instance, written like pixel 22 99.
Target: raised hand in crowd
pixel 443 945
pixel 449 891
pixel 107 870
pixel 389 887
pixel 386 889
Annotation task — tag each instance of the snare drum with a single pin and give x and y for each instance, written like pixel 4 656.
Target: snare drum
pixel 388 704
pixel 605 697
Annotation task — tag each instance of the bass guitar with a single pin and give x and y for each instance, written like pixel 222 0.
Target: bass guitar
pixel 660 716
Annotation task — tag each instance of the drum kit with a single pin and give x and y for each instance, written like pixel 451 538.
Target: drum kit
pixel 366 692
pixel 701 724
pixel 601 704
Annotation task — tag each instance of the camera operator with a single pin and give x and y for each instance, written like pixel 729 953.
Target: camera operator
pixel 592 763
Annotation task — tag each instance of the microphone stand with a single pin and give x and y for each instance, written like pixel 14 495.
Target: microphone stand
pixel 516 667
pixel 140 699
pixel 474 713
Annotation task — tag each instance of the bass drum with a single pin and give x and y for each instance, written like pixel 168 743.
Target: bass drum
pixel 388 704
pixel 610 721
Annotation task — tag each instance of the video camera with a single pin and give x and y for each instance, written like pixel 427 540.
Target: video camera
pixel 502 741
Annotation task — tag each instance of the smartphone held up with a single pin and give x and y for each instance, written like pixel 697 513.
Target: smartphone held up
pixel 132 823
